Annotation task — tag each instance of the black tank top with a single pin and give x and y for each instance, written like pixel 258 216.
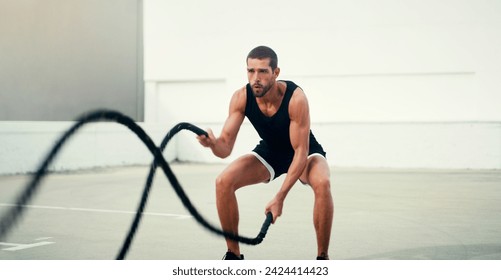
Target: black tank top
pixel 274 130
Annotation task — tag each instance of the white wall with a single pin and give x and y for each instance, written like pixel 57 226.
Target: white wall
pixel 417 145
pixel 391 83
pixel 26 144
pixel 385 145
pixel 367 60
pixel 390 72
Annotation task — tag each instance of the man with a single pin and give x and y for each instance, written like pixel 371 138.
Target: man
pixel 279 112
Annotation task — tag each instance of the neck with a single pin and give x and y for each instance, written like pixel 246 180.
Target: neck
pixel 274 93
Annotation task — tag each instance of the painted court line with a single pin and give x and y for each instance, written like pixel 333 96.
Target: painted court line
pixel 18 246
pixel 177 216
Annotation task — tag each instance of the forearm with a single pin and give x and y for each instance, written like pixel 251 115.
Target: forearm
pixel 221 149
pixel 295 170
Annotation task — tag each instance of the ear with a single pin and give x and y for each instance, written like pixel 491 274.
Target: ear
pixel 276 72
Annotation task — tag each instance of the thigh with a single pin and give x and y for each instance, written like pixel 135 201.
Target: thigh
pixel 244 171
pixel 316 171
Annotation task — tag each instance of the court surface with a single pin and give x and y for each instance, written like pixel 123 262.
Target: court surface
pixel 379 214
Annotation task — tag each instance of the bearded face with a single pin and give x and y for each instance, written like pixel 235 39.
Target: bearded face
pixel 260 75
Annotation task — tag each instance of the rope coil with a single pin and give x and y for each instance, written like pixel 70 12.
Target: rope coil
pixel 9 219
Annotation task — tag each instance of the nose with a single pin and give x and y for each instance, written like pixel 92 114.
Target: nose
pixel 255 77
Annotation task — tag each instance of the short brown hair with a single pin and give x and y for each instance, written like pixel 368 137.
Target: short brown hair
pixel 263 52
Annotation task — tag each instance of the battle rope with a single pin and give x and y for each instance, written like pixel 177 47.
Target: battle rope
pixel 11 216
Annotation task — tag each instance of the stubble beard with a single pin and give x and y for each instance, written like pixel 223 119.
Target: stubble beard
pixel 264 90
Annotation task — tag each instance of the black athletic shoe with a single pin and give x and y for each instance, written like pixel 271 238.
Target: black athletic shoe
pixel 231 256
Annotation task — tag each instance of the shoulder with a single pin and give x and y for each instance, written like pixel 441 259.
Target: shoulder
pixel 296 92
pixel 298 98
pixel 298 105
pixel 239 99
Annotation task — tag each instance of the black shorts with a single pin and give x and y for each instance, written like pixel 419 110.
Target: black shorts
pixel 278 161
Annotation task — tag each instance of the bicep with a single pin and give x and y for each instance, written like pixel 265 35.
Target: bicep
pixel 235 118
pixel 300 121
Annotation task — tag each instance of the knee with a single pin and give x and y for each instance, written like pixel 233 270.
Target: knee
pixel 224 185
pixel 321 186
